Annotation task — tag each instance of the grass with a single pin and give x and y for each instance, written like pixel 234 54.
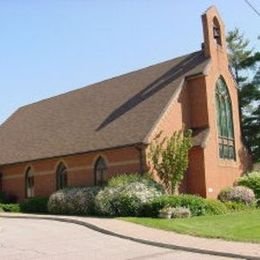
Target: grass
pixel 242 226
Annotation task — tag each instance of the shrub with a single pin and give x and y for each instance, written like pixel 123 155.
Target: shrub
pixel 252 181
pixel 258 203
pixel 215 207
pixel 8 198
pixel 127 199
pixel 124 179
pixel 12 207
pixel 35 205
pixel 73 201
pixel 181 212
pixel 165 212
pixel 127 178
pixel 237 206
pixel 237 194
pixel 2 197
pixel 196 204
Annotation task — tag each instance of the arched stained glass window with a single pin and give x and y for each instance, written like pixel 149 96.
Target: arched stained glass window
pixel 100 172
pixel 29 183
pixel 225 121
pixel 61 176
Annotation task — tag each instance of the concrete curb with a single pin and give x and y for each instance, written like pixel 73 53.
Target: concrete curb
pixel 138 240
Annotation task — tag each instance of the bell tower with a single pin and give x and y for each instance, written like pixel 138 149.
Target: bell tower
pixel 214 45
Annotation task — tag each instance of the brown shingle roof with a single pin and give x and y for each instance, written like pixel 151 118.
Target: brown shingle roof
pixel 112 113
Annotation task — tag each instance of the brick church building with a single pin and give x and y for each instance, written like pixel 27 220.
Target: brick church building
pixel 84 137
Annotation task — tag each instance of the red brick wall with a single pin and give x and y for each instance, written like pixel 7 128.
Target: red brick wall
pixel 220 173
pixel 80 170
pixel 195 182
pixel 198 102
pixel 185 112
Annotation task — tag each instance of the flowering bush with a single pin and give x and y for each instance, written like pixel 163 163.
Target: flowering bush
pixel 126 199
pixel 73 201
pixel 237 194
pixel 252 181
pixel 165 212
pixel 166 209
pixel 181 212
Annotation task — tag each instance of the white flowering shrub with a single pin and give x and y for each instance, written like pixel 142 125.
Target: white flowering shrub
pixel 126 199
pixel 181 212
pixel 237 194
pixel 73 201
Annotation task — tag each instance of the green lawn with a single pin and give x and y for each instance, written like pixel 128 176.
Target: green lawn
pixel 242 226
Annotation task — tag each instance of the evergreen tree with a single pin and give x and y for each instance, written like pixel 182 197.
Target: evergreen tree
pixel 238 52
pixel 241 59
pixel 256 79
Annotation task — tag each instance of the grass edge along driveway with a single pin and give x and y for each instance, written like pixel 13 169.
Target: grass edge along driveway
pixel 241 226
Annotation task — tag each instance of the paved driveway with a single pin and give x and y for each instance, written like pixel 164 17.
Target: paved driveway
pixel 44 239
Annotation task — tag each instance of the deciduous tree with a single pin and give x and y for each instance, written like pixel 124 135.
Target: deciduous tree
pixel 169 157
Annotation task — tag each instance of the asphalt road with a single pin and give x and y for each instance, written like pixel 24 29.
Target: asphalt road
pixel 43 239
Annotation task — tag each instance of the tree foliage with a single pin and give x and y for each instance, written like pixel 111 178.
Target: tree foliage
pixel 243 58
pixel 238 52
pixel 169 156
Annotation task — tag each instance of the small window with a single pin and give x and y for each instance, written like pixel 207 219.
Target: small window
pixel 217 31
pixel 100 172
pixel 225 121
pixel 29 183
pixel 61 176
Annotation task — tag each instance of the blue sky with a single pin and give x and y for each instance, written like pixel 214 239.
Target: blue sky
pixel 53 46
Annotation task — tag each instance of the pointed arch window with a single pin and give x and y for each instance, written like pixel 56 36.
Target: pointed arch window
pixel 100 172
pixel 61 176
pixel 225 121
pixel 29 183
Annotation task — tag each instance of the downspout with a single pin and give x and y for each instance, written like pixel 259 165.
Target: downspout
pixel 140 150
pixel 1 182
